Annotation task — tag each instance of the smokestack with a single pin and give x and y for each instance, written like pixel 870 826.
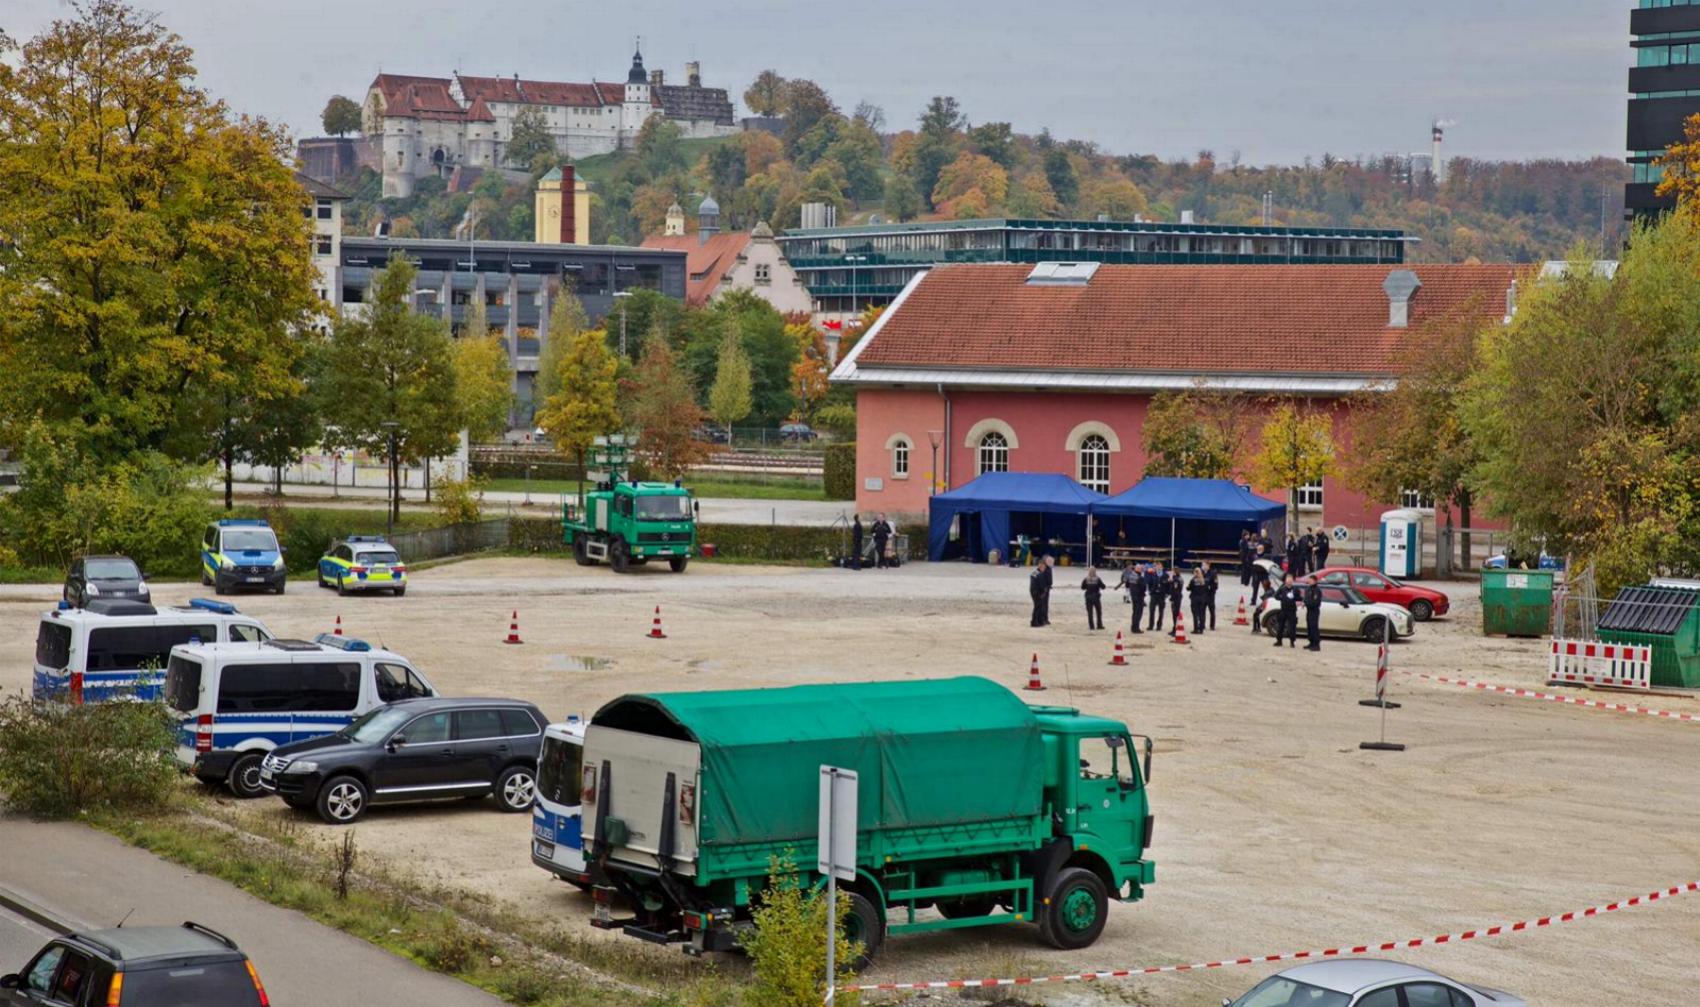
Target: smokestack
pixel 569 204
pixel 1437 167
pixel 693 73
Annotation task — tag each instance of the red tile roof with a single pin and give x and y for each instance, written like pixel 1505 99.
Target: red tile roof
pixel 711 260
pixel 417 97
pixel 1214 319
pixel 479 112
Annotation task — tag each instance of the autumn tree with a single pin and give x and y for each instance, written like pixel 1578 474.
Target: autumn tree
pixel 766 94
pixel 566 320
pixel 973 178
pixel 666 413
pixel 584 404
pixel 809 373
pixel 729 397
pixel 341 115
pixel 1297 449
pixel 483 385
pixel 936 144
pixel 1681 166
pixel 529 138
pixel 1195 434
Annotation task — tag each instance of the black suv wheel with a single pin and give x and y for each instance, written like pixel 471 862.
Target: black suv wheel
pixel 342 800
pixel 516 788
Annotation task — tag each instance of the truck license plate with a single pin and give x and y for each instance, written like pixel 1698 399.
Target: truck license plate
pixel 543 850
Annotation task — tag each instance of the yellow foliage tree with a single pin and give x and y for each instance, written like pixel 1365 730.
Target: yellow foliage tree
pixel 1297 449
pixel 584 408
pixel 1681 164
pixel 968 173
pixel 808 374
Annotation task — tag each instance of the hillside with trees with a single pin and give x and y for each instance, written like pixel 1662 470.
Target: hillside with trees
pixel 945 166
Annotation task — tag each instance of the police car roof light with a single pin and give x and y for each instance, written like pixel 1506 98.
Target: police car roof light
pixel 365 538
pixel 348 643
pixel 242 522
pixel 63 606
pixel 209 605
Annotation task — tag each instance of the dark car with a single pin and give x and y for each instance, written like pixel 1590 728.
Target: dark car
pixel 186 966
pixel 93 577
pixel 710 434
pixel 799 432
pixel 414 750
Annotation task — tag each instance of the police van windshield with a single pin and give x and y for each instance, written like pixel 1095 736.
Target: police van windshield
pixel 249 540
pixel 668 508
pixel 558 771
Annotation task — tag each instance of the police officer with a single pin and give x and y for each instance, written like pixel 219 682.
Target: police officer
pixel 1248 552
pixel 1094 589
pixel 1259 577
pixel 855 541
pixel 1211 583
pixel 1287 624
pixel 1313 615
pixel 1198 593
pixel 1322 547
pixel 1039 586
pixel 1175 590
pixel 1157 593
pixel 1133 581
pixel 882 534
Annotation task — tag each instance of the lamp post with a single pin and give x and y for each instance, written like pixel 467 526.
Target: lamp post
pixel 528 469
pixel 854 259
pixel 621 296
pixel 937 437
pixel 395 494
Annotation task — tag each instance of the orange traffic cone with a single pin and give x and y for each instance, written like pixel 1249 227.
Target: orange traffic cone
pixel 513 629
pixel 655 627
pixel 1119 657
pixel 1240 616
pixel 338 630
pixel 1033 683
pixel 1180 628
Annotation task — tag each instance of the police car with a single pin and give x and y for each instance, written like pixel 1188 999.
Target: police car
pixel 363 563
pixel 239 552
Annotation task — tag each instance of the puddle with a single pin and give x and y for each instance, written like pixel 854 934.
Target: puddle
pixel 581 662
pixel 700 664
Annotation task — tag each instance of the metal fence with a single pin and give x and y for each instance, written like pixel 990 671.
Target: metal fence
pixel 452 540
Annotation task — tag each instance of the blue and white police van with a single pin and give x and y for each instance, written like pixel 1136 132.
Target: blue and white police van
pixel 117 648
pixel 557 818
pixel 238 701
pixel 242 553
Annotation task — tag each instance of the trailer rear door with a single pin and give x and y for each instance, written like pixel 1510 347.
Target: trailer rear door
pixel 648 787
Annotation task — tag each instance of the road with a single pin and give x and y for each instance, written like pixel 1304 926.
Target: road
pixel 86 879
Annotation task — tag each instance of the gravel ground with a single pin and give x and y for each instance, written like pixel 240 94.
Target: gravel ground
pixel 1273 831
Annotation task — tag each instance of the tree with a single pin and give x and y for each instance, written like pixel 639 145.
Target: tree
pixel 1681 165
pixel 1194 433
pixel 805 104
pixel 729 398
pixel 1116 196
pixel 1030 196
pixel 155 250
pixel 390 375
pixel 341 115
pixel 766 95
pixel 809 373
pixel 529 138
pixel 566 320
pixel 1059 172
pixel 902 201
pixel 870 115
pixel 942 117
pixel 858 150
pixel 583 407
pixel 1297 450
pixel 483 385
pixel 660 146
pixel 969 174
pixel 666 413
pixel 995 140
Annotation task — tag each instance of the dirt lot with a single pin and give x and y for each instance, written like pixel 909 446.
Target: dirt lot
pixel 1273 832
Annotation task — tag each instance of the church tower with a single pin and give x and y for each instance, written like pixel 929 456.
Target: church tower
pixel 638 104
pixel 675 224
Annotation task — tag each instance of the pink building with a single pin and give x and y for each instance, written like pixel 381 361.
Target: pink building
pixel 1050 368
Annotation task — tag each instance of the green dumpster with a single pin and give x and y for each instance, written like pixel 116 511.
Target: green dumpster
pixel 1665 618
pixel 1516 602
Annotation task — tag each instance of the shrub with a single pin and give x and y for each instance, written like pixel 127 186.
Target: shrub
pixel 840 471
pixel 838 420
pixel 460 501
pixel 786 951
pixel 59 760
pixel 304 534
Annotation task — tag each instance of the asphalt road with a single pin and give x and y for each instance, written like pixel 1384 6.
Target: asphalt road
pixel 86 878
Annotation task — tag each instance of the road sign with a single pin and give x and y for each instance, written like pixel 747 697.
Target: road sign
pixel 1339 533
pixel 837 854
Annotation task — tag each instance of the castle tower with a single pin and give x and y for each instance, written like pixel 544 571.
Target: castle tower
pixel 675 225
pixel 708 219
pixel 638 104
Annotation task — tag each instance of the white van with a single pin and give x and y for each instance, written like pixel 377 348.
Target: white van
pixel 118 649
pixel 238 701
pixel 557 818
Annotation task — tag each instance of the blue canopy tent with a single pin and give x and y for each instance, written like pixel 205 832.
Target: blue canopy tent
pixel 1190 513
pixel 998 505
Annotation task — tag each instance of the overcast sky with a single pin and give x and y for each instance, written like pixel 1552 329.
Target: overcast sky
pixel 1274 79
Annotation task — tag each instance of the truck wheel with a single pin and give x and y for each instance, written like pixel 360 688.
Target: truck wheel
pixel 580 556
pixel 1075 910
pixel 678 563
pixel 1373 628
pixel 865 926
pixel 617 556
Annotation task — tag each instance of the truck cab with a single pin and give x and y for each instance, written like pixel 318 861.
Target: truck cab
pixel 1095 788
pixel 627 524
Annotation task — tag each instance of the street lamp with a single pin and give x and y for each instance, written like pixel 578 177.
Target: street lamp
pixel 528 469
pixel 854 258
pixel 621 296
pixel 395 493
pixel 937 437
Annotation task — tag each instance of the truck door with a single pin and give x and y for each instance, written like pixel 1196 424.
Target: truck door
pixel 1109 796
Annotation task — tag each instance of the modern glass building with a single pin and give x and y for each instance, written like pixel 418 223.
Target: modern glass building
pixel 846 268
pixel 1664 90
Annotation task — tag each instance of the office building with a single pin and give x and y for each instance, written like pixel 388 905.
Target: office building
pixel 1664 90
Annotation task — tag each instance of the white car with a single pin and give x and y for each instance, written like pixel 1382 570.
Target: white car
pixel 1345 612
pixel 1368 982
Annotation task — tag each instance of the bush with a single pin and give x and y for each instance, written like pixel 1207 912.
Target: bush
pixel 460 501
pixel 60 760
pixel 838 420
pixel 304 534
pixel 840 471
pixel 785 947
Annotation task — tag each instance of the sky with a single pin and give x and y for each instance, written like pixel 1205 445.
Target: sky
pixel 1274 80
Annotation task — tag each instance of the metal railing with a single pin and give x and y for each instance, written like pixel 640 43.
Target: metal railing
pixel 451 540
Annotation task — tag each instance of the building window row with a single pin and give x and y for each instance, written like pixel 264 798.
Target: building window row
pixel 1644 95
pixel 1679 54
pixel 1649 4
pixel 1648 172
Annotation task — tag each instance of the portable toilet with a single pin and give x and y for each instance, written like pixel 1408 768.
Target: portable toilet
pixel 1664 615
pixel 1401 543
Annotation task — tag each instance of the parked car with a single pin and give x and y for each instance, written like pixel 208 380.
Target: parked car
pixel 239 552
pixel 1345 613
pixel 709 433
pixel 1368 982
pixel 363 563
pixel 1423 603
pixel 801 433
pixel 186 966
pixel 104 577
pixel 415 750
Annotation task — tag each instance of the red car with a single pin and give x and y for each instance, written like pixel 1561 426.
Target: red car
pixel 1423 603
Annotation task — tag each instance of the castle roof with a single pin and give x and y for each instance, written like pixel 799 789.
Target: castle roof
pixel 637 75
pixel 412 97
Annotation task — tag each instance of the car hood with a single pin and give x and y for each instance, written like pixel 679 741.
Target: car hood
pixel 330 742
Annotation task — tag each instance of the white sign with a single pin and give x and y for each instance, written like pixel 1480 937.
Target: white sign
pixel 837 854
pixel 1520 580
pixel 873 484
pixel 1339 533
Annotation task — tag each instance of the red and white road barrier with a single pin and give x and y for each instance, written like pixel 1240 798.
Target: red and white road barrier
pixel 1497 930
pixel 1507 690
pixel 1588 662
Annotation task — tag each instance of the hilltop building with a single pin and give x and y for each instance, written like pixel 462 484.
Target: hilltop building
pixel 1664 90
pixel 428 125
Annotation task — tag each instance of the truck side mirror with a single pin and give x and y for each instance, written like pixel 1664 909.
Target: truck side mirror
pixel 696 508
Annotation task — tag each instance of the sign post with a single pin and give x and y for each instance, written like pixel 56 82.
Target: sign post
pixel 836 856
pixel 1381 695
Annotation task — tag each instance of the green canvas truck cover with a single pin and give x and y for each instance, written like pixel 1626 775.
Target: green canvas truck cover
pixel 939 752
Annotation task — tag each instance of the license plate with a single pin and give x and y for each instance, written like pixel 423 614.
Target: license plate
pixel 255 580
pixel 380 569
pixel 543 850
pixel 665 551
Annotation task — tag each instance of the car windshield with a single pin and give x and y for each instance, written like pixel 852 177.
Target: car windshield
pixel 664 508
pixel 249 540
pixel 378 557
pixel 376 725
pixel 1279 991
pixel 1353 595
pixel 110 569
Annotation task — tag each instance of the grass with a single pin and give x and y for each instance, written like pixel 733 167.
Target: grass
pixel 764 489
pixel 31 575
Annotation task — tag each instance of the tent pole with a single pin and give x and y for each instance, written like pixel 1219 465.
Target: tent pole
pixel 1171 543
pixel 1089 525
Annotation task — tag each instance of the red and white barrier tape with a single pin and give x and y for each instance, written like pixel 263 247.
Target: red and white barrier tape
pixel 1509 690
pixel 1340 952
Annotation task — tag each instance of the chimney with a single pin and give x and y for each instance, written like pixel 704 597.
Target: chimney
pixel 569 204
pixel 655 78
pixel 693 73
pixel 1436 166
pixel 1401 285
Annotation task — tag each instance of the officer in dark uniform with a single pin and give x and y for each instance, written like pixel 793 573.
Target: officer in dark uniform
pixel 1259 578
pixel 1093 585
pixel 1288 625
pixel 882 535
pixel 856 542
pixel 1175 590
pixel 1133 580
pixel 1198 594
pixel 1322 547
pixel 1248 552
pixel 1211 583
pixel 1313 616
pixel 1039 586
pixel 1157 593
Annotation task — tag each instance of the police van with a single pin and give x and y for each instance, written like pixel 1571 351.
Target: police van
pixel 238 701
pixel 557 817
pixel 242 553
pixel 119 648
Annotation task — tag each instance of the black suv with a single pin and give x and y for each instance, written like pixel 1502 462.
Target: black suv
pixel 93 577
pixel 414 750
pixel 186 966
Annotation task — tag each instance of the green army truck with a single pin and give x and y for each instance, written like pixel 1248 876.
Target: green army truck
pixel 970 802
pixel 626 524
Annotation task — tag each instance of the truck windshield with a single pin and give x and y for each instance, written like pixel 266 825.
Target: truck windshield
pixel 1101 758
pixel 558 772
pixel 667 508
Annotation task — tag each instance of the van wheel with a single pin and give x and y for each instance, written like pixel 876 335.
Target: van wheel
pixel 678 563
pixel 342 800
pixel 618 557
pixel 516 788
pixel 580 556
pixel 1373 628
pixel 400 591
pixel 1272 624
pixel 244 777
pixel 205 580
pixel 863 925
pixel 1075 910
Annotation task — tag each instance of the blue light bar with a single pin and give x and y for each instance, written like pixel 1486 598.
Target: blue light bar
pixel 366 538
pixel 209 605
pixel 242 522
pixel 347 643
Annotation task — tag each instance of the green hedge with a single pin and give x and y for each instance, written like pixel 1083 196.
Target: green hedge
pixel 736 541
pixel 840 471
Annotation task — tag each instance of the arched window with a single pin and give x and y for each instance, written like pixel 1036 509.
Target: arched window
pixel 900 460
pixel 994 453
pixel 1095 463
